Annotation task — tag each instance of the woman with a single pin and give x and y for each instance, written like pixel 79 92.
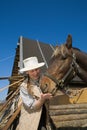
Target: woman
pixel 33 99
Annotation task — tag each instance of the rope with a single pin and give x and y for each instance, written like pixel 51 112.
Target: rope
pixel 42 53
pixel 9 94
pixel 6 58
pixel 2 89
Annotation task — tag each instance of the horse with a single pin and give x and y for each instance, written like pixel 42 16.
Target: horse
pixel 65 63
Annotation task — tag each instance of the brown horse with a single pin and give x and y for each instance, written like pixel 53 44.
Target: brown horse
pixel 66 62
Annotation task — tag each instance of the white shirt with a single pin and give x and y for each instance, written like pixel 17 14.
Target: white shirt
pixel 27 99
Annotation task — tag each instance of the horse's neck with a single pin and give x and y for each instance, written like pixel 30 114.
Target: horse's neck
pixel 81 58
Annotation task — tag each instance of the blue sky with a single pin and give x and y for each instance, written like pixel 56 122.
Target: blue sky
pixel 49 21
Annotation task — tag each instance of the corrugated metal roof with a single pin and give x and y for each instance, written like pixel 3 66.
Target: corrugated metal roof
pixel 36 48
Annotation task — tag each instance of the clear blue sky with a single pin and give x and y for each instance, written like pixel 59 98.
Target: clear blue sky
pixel 49 21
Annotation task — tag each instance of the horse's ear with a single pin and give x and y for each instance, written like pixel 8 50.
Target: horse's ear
pixel 69 41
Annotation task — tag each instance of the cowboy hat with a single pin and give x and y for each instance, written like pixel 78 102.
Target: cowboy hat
pixel 31 63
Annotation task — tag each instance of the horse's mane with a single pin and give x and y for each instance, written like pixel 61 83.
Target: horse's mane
pixel 60 50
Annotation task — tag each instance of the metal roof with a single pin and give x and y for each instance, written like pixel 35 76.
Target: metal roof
pixel 30 48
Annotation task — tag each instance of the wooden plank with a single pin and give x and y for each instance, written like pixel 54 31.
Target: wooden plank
pixel 68 106
pixel 70 117
pixel 74 123
pixel 67 112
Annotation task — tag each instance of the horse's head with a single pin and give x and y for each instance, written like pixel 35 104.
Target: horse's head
pixel 59 68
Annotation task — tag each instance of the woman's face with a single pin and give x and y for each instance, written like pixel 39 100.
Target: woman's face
pixel 34 74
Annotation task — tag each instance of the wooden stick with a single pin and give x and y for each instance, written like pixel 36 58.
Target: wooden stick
pixel 11 78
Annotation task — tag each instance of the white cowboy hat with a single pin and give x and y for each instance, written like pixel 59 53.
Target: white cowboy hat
pixel 31 63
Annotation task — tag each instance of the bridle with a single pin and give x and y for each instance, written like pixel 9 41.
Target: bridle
pixel 72 72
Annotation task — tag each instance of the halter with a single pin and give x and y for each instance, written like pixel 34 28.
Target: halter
pixel 68 76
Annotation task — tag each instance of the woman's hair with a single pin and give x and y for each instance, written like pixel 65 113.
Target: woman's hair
pixel 29 86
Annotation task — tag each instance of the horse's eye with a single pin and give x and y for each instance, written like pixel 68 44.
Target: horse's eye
pixel 64 57
pixel 46 85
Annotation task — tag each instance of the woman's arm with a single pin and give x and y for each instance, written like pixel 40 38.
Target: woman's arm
pixel 38 103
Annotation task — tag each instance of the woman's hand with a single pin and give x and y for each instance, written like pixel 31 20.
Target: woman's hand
pixel 46 96
pixel 42 99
